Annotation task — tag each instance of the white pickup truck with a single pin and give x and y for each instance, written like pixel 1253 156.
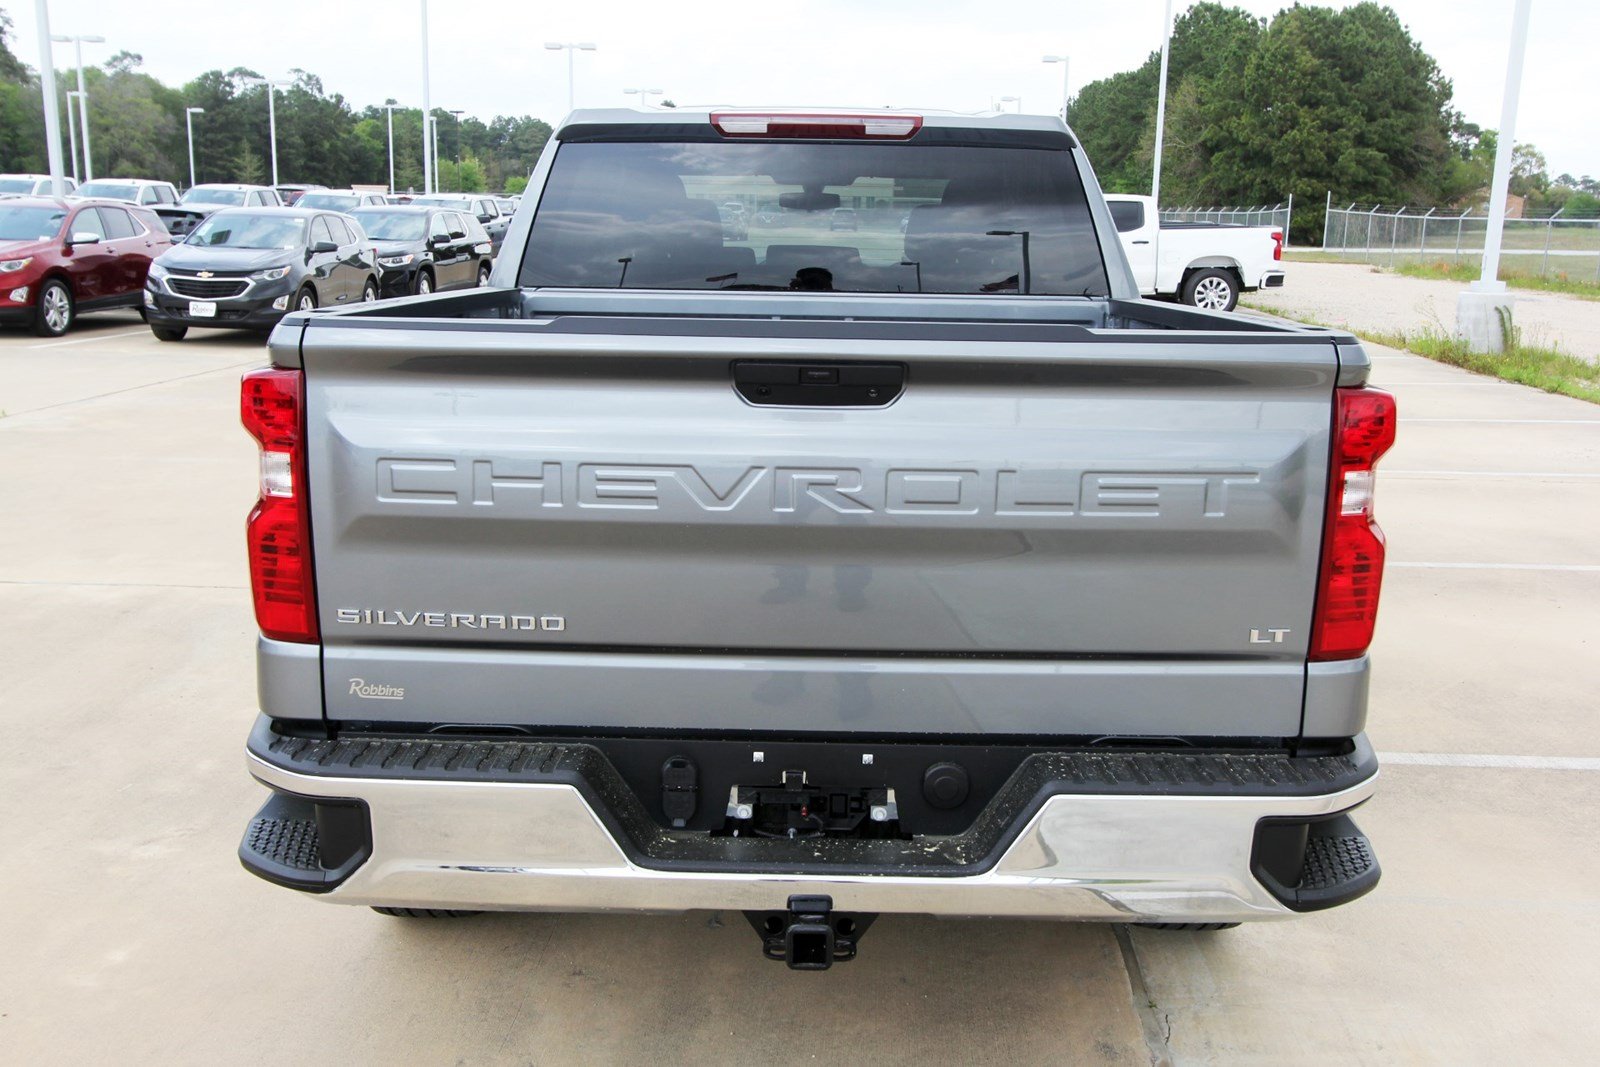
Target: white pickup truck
pixel 1206 264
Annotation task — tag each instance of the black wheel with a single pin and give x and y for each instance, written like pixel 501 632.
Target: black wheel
pixel 424 282
pixel 53 311
pixel 483 275
pixel 369 292
pixel 169 333
pixel 1213 289
pixel 1186 926
pixel 425 913
pixel 307 300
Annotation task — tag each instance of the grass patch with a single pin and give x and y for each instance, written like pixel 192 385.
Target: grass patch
pixel 1584 287
pixel 1549 369
pixel 1559 282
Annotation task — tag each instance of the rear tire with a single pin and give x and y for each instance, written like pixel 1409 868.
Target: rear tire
pixel 425 913
pixel 1213 289
pixel 369 292
pixel 53 311
pixel 1186 926
pixel 169 333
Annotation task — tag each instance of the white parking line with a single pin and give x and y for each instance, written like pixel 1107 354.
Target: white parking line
pixel 1512 422
pixel 1519 763
pixel 1564 568
pixel 1489 474
pixel 1390 385
pixel 90 340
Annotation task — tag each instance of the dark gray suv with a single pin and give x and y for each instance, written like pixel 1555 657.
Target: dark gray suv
pixel 245 268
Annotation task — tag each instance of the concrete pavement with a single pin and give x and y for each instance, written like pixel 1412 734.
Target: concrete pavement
pixel 132 935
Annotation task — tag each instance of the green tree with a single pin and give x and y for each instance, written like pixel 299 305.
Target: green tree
pixel 248 167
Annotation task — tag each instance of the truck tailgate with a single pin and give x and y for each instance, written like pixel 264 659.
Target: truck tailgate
pixel 1051 531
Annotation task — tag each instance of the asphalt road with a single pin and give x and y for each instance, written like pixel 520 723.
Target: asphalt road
pixel 131 934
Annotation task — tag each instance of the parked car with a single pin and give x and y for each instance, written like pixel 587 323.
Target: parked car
pixel 1011 595
pixel 346 200
pixel 425 249
pixel 130 190
pixel 32 185
pixel 200 201
pixel 62 258
pixel 844 218
pixel 1205 264
pixel 476 205
pixel 244 268
pixel 291 192
pixel 507 205
pixel 735 221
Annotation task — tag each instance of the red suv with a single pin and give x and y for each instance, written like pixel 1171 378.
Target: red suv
pixel 60 258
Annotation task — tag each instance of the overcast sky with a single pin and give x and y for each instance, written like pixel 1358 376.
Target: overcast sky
pixel 487 57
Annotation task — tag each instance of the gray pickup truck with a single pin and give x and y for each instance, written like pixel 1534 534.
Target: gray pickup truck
pixel 915 566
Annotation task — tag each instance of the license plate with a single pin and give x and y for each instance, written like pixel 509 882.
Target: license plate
pixel 203 309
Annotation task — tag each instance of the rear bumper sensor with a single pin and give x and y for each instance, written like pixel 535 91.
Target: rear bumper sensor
pixel 1115 836
pixel 819 384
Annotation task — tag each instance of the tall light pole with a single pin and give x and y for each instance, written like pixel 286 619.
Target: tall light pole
pixel 643 95
pixel 1066 91
pixel 389 107
pixel 427 108
pixel 72 137
pixel 47 85
pixel 459 183
pixel 78 41
pixel 433 124
pixel 1161 112
pixel 272 117
pixel 188 121
pixel 571 49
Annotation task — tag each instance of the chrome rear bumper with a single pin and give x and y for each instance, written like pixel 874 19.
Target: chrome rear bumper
pixel 542 846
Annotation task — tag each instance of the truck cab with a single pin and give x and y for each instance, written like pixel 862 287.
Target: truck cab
pixel 1203 264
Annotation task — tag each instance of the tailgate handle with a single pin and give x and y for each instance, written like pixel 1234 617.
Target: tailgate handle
pixel 774 384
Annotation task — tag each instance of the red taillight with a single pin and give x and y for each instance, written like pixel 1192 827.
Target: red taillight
pixel 272 407
pixel 816 127
pixel 1352 543
pixel 1277 244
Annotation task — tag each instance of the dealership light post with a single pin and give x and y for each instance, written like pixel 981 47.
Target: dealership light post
pixel 52 114
pixel 643 95
pixel 188 121
pixel 72 137
pixel 427 108
pixel 1066 93
pixel 1483 312
pixel 272 117
pixel 83 94
pixel 571 50
pixel 389 107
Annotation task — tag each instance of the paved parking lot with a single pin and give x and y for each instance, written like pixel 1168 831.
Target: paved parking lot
pixel 132 935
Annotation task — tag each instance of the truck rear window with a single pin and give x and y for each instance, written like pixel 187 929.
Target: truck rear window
pixel 823 217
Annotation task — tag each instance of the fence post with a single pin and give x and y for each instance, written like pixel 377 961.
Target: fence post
pixel 1344 238
pixel 1460 221
pixel 1327 218
pixel 1422 244
pixel 1549 228
pixel 1394 233
pixel 1288 217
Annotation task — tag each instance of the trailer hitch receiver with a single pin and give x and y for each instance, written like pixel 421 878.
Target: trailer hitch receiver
pixel 810 935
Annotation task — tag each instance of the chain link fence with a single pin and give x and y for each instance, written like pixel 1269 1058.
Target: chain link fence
pixel 1376 233
pixel 1274 215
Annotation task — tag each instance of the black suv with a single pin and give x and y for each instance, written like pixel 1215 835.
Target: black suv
pixel 480 206
pixel 424 249
pixel 245 268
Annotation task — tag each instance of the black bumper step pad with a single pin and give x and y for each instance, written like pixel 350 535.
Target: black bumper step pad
pixel 306 844
pixel 1314 864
